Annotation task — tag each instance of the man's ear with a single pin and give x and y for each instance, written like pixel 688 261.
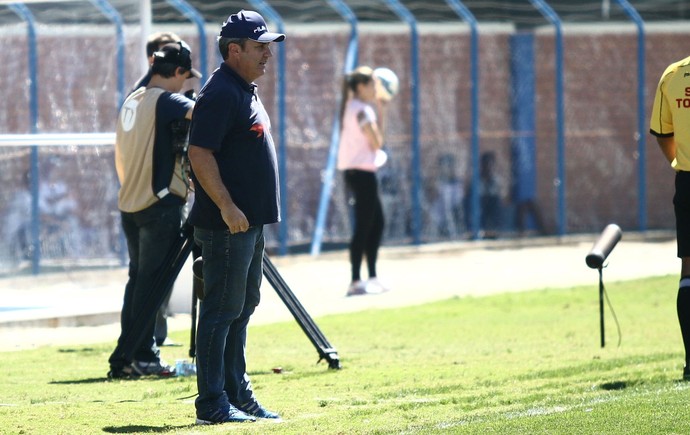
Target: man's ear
pixel 234 48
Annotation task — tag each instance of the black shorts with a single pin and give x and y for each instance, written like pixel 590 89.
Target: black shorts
pixel 681 207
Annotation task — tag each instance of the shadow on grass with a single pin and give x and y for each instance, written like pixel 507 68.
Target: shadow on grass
pixel 107 380
pixel 142 429
pixel 82 350
pixel 80 381
pixel 297 375
pixel 613 386
pixel 580 369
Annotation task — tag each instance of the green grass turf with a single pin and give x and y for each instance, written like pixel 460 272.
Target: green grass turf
pixel 516 363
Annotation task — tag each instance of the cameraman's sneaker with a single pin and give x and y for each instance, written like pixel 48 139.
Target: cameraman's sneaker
pixel 153 368
pixel 254 408
pixel 126 372
pixel 233 415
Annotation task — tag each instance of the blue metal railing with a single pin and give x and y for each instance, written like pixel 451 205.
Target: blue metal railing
pixel 25 14
pixel 329 174
pixel 554 19
pixel 273 16
pixel 462 11
pixel 194 16
pixel 405 15
pixel 114 16
pixel 641 117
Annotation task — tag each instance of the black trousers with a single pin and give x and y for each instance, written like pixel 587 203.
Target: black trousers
pixel 150 235
pixel 369 220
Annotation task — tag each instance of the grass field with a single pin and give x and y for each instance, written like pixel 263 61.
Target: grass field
pixel 518 363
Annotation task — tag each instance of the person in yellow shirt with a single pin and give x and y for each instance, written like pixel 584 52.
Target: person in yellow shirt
pixel 670 124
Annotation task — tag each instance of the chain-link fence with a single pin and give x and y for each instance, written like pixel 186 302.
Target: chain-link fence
pixel 517 117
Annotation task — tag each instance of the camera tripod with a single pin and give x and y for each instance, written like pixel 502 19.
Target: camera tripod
pixel 175 260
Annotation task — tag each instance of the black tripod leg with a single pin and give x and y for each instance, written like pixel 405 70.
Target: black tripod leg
pixel 295 306
pixel 192 335
pixel 197 294
pixel 323 347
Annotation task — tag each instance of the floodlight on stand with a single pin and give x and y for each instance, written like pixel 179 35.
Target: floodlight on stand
pixel 595 259
pixel 603 246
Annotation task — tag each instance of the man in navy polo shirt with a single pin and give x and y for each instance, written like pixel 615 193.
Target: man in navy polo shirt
pixel 236 177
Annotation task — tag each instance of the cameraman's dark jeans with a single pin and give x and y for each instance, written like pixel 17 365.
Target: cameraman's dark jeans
pixel 150 234
pixel 232 277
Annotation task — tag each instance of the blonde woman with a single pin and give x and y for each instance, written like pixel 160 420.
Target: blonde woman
pixel 359 156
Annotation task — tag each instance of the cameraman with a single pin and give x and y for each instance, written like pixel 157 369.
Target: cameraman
pixel 154 185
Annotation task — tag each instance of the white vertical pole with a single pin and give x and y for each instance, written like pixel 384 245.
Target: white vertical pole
pixel 145 21
pixel 606 9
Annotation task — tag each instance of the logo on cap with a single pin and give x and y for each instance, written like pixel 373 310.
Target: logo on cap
pixel 249 25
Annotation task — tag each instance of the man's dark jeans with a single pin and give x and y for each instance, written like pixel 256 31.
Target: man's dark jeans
pixel 232 277
pixel 150 234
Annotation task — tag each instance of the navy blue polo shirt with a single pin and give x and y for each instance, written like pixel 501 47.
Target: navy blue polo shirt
pixel 230 120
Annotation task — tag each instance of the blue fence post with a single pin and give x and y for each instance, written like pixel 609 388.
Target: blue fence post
pixel 329 173
pixel 194 16
pixel 272 15
pixel 641 117
pixel 462 11
pixel 405 15
pixel 25 14
pixel 523 144
pixel 554 19
pixel 114 16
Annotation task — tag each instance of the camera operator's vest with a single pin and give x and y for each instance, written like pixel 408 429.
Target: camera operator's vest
pixel 135 162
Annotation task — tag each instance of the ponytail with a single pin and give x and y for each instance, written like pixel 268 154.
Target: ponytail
pixel 343 98
pixel 361 74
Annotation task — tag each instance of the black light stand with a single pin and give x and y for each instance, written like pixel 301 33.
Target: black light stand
pixel 601 306
pixel 595 260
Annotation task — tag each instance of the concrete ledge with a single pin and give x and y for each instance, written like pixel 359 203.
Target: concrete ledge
pixel 59 320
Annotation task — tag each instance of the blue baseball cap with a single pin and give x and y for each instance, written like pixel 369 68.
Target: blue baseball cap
pixel 250 25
